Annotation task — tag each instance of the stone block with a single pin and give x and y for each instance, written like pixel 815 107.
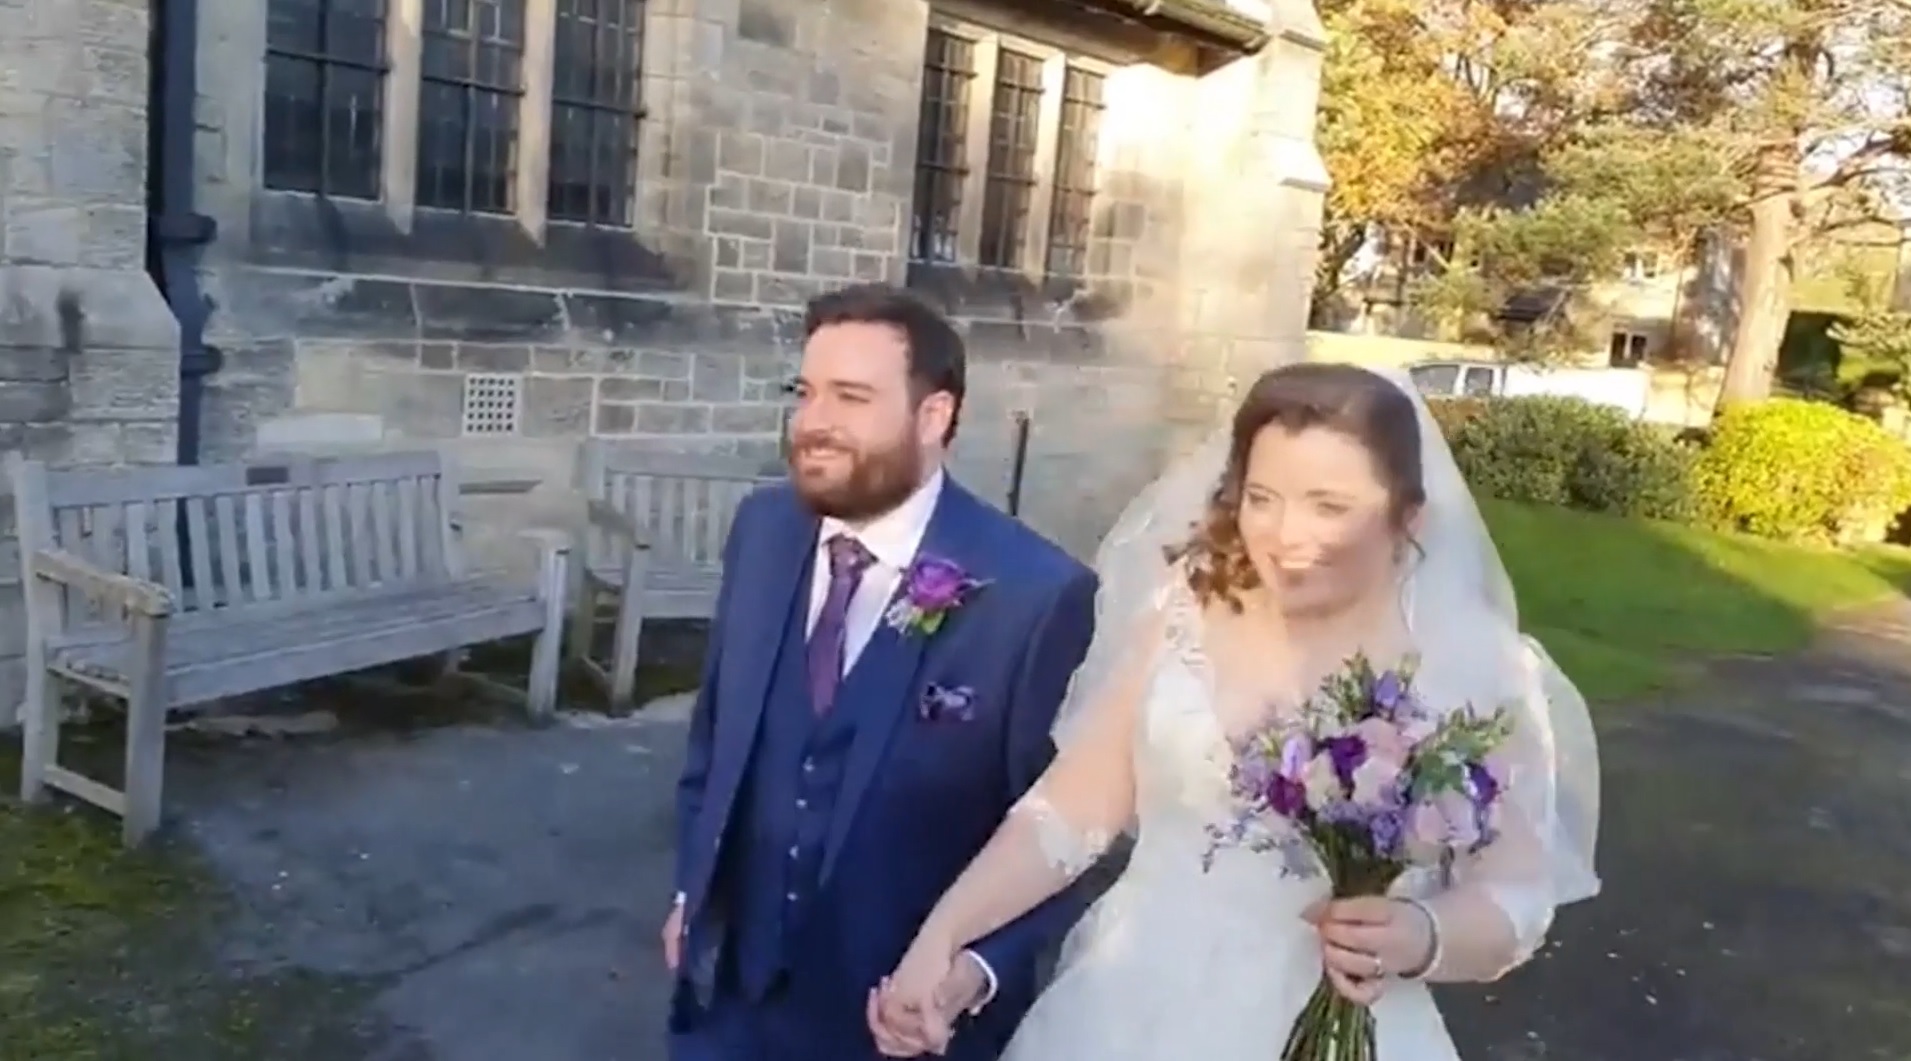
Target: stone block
pixel 716 378
pixel 140 384
pixel 418 405
pixel 99 154
pixel 658 418
pixel 557 406
pixel 34 403
pixel 119 309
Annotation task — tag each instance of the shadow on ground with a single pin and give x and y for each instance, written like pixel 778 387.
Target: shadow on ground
pixel 1756 848
pixel 475 893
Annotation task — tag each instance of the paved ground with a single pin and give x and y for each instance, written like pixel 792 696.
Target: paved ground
pixel 491 895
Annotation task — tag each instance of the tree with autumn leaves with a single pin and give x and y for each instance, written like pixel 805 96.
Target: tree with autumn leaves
pixel 1546 137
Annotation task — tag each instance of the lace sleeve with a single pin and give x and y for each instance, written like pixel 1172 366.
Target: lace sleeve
pixel 1501 904
pixel 1069 818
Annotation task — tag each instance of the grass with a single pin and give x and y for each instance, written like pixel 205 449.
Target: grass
pixel 108 955
pixel 1629 606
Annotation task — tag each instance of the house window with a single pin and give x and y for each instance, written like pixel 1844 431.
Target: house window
pixel 941 147
pixel 595 108
pixel 1007 153
pixel 324 96
pixel 1640 266
pixel 1075 171
pixel 469 92
pixel 1627 349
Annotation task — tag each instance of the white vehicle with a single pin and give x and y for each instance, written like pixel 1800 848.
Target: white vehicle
pixel 1625 389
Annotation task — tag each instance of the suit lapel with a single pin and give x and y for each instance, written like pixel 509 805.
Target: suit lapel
pixel 885 673
pixel 777 576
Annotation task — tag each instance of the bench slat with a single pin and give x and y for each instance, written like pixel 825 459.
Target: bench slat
pixel 110 486
pixel 207 654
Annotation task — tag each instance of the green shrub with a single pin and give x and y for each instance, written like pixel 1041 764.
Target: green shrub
pixel 1452 413
pixel 1801 471
pixel 1643 472
pixel 1568 451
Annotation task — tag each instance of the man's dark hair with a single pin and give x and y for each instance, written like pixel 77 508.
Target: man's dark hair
pixel 938 358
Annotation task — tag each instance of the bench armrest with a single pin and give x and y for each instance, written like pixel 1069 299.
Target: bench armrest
pixel 547 539
pixel 606 518
pixel 131 594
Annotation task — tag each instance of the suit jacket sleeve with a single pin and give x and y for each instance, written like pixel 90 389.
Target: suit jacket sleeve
pixel 1056 650
pixel 696 760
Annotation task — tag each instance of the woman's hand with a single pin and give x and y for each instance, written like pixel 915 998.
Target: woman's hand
pixel 908 1013
pixel 1366 939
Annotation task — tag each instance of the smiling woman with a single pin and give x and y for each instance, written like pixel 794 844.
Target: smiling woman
pixel 1641 602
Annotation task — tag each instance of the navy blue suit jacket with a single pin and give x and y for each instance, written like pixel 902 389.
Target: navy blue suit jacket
pixel 920 794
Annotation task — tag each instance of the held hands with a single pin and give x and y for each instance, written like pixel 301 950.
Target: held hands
pixel 1366 939
pixel 914 1010
pixel 672 936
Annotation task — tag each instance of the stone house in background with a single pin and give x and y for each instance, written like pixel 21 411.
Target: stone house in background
pixel 498 227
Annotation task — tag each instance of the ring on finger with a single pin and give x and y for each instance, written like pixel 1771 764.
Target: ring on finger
pixel 1380 967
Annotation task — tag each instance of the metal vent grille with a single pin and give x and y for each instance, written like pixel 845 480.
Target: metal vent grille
pixel 493 403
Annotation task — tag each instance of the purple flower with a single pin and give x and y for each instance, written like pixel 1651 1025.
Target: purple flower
pixel 1388 691
pixel 1347 753
pixel 1286 797
pixel 1481 785
pixel 936 584
pixel 1296 750
pixel 1388 830
pixel 931 589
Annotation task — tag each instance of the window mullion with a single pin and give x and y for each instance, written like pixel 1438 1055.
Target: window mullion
pixel 1034 256
pixel 399 163
pixel 975 148
pixel 534 115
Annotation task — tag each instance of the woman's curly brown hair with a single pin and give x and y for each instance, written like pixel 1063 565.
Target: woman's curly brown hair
pixel 1362 405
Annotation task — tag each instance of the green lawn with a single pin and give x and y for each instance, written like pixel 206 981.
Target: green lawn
pixel 1627 606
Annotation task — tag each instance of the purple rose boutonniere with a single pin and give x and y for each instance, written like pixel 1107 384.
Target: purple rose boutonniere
pixel 931 589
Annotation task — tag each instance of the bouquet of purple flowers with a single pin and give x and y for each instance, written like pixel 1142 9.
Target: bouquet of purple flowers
pixel 1366 783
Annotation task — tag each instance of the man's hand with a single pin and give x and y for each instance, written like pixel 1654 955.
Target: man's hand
pixel 673 935
pixel 911 1015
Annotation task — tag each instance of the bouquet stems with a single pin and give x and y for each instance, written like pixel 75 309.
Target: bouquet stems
pixel 1330 1027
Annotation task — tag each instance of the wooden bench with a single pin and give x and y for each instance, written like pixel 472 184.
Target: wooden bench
pixel 167 587
pixel 656 524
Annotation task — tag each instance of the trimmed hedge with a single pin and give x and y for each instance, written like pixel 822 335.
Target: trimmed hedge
pixel 1802 471
pixel 1568 451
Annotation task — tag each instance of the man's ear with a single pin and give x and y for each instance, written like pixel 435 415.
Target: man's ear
pixel 934 414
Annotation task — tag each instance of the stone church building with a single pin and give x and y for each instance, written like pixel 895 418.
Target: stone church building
pixel 501 226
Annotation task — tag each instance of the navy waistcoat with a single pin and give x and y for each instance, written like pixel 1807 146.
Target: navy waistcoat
pixel 791 788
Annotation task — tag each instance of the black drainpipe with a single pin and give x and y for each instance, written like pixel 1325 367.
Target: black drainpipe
pixel 175 231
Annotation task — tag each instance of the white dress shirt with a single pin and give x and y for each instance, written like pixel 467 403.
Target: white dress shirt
pixel 892 539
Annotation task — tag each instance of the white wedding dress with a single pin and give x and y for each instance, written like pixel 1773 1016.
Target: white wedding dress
pixel 1186 961
pixel 1178 963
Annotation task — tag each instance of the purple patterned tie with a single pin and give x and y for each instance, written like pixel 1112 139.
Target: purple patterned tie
pixel 848 560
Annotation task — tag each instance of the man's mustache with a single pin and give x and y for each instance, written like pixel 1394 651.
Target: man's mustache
pixel 819 443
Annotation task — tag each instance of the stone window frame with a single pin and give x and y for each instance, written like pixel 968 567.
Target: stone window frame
pixel 989 42
pixel 242 99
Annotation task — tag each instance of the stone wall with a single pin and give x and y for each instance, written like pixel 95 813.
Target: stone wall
pixel 777 160
pixel 90 377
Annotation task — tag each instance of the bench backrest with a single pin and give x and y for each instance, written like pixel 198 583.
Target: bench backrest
pixel 683 505
pixel 235 536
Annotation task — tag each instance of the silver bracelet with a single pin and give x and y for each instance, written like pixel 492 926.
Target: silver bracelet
pixel 1433 949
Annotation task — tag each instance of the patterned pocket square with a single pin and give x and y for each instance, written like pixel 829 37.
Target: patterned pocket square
pixel 947 703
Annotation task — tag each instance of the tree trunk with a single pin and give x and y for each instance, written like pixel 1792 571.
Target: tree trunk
pixel 1338 245
pixel 1762 288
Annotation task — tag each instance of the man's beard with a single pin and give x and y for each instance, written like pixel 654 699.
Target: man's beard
pixel 878 481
